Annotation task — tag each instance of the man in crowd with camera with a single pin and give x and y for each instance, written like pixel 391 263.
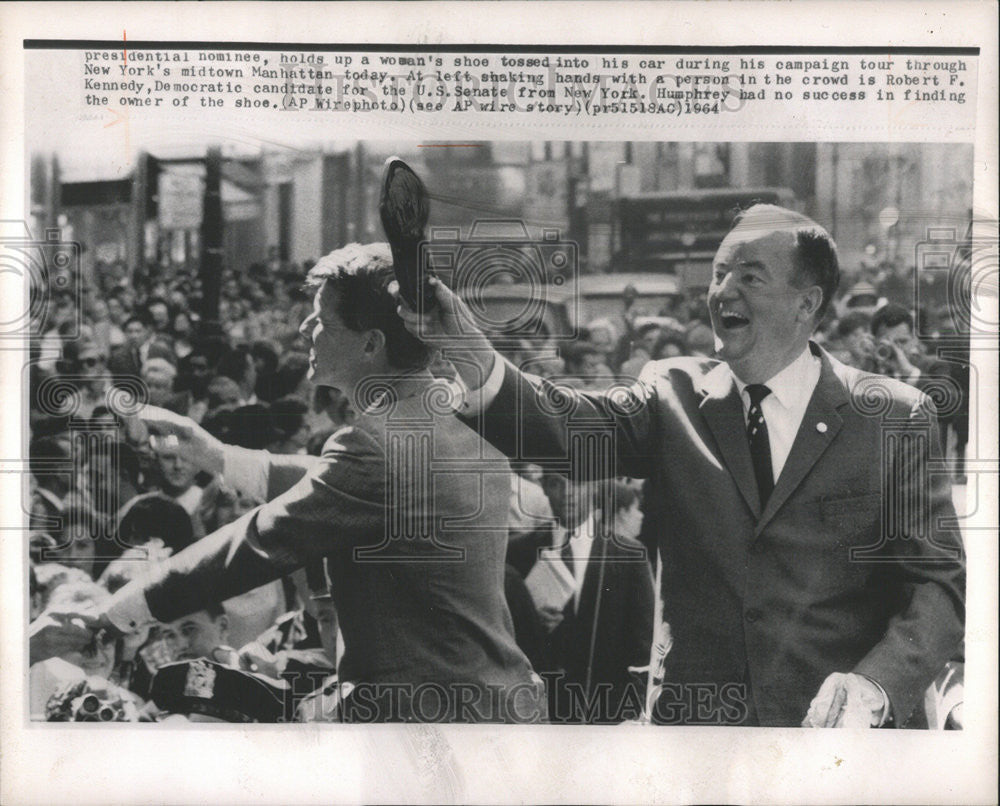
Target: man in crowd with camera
pixel 898 353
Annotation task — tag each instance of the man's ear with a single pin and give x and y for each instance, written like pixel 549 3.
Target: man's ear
pixel 224 624
pixel 812 298
pixel 375 342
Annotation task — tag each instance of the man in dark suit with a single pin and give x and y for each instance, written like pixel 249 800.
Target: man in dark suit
pixel 127 360
pixel 809 571
pixel 607 623
pixel 403 519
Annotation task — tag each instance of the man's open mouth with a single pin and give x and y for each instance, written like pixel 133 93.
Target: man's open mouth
pixel 731 321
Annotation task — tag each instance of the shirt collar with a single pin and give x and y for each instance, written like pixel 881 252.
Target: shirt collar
pixel 787 386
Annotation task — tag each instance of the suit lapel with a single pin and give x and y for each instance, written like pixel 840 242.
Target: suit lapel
pixel 820 426
pixel 723 412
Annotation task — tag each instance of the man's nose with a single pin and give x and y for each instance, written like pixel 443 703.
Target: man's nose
pixel 306 326
pixel 725 286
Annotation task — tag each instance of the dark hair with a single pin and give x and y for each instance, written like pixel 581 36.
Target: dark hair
pixel 234 364
pixel 128 458
pixel 891 315
pixel 212 346
pixel 267 352
pixel 288 415
pixel 48 450
pixel 292 369
pixel 141 318
pixel 155 515
pixel 646 327
pixel 361 275
pixel 218 421
pixel 851 322
pixel 816 260
pixel 623 495
pixel 250 426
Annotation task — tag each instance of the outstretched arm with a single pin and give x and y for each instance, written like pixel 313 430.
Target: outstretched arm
pixel 592 435
pixel 340 500
pixel 257 474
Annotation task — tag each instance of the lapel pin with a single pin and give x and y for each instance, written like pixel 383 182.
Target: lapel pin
pixel 821 427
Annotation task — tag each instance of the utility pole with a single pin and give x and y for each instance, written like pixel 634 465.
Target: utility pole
pixel 212 224
pixel 137 225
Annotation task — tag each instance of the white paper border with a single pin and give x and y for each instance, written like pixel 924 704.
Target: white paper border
pixel 265 764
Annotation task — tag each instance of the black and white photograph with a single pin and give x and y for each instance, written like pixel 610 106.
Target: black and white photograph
pixel 448 413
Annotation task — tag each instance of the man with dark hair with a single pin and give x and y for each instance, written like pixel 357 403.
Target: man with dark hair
pixel 128 359
pixel 889 318
pixel 413 557
pixel 789 594
pixel 854 332
pixel 158 315
pixel 238 365
pixel 201 634
pixel 355 287
pixel 606 624
pixel 288 425
pixel 899 354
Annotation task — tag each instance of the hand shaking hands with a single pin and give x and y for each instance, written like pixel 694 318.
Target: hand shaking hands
pixel 846 701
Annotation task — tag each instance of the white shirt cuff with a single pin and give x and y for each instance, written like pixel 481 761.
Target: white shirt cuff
pixel 478 400
pixel 886 708
pixel 246 471
pixel 128 610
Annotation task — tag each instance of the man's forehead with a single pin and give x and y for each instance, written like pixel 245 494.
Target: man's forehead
pixel 754 243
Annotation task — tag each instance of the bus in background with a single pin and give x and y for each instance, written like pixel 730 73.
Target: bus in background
pixel 678 232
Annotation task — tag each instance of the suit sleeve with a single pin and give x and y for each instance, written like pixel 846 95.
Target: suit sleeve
pixel 340 499
pixel 533 419
pixel 927 563
pixel 262 475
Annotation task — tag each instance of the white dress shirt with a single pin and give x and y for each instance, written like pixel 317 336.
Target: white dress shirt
pixel 783 409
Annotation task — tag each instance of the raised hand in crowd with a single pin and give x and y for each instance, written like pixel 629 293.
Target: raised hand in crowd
pixel 55 633
pixel 193 442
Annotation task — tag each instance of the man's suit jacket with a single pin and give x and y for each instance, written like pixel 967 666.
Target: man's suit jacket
pixel 764 604
pixel 408 507
pixel 599 638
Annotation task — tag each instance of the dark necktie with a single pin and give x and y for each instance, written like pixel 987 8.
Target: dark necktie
pixel 760 446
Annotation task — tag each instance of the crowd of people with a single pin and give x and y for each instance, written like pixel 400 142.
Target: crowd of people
pixel 105 509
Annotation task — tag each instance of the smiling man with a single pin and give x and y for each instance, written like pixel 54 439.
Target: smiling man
pixel 413 558
pixel 808 573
